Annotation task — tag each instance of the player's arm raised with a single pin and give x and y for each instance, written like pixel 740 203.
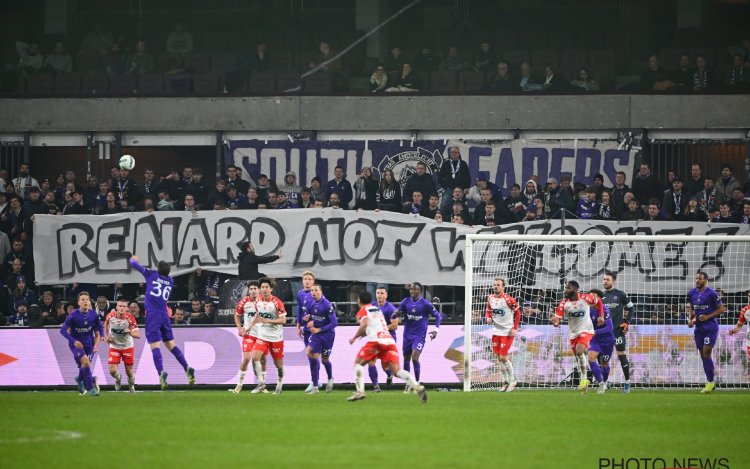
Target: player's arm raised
pixel 135 263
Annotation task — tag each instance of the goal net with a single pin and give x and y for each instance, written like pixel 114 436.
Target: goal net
pixel 657 272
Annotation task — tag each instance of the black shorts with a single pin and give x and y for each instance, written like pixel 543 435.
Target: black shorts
pixel 621 342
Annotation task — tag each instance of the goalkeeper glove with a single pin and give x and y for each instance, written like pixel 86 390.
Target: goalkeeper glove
pixel 624 327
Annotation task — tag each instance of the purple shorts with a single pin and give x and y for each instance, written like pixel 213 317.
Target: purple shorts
pixel 78 353
pixel 306 336
pixel 413 343
pixel 703 338
pixel 322 343
pixel 158 328
pixel 604 345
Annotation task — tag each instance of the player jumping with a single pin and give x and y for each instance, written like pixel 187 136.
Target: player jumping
pixel 387 308
pixel 321 321
pixel 504 313
pixel 84 331
pixel 247 308
pixel 603 343
pixel 120 329
pixel 620 307
pixel 576 307
pixel 303 297
pixel 415 311
pixel 380 345
pixel 271 316
pixel 706 307
pixel 158 327
pixel 744 318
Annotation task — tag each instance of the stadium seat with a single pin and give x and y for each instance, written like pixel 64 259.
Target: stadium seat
pixel 515 57
pixel 95 83
pixel 68 84
pixel 197 62
pixel 205 83
pixel 150 83
pixel 39 84
pixel 287 81
pixel 262 83
pixel 223 62
pixel 318 83
pixel 669 57
pixel 543 57
pixel 572 60
pixel 167 61
pixel 122 84
pixel 471 82
pixel 86 62
pixel 282 61
pixel 443 81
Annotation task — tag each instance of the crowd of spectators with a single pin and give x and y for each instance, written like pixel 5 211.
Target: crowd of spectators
pixel 698 197
pixel 180 64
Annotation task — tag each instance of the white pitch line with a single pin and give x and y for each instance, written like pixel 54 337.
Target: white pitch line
pixel 56 435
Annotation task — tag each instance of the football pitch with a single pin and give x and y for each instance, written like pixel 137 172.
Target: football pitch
pixel 214 428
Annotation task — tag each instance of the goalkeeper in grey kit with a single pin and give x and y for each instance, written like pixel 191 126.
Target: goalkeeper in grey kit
pixel 620 307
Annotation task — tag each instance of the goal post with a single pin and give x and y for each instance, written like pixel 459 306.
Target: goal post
pixel 656 271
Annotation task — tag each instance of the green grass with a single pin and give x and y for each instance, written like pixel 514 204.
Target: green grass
pixel 218 429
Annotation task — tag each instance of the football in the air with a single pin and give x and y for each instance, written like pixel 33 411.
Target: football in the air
pixel 127 162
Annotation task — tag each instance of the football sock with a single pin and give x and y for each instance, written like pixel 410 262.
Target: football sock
pixel 605 373
pixel 417 369
pixel 406 376
pixel 359 382
pixel 625 365
pixel 329 368
pixel 259 375
pixel 180 357
pixel 582 368
pixel 596 370
pixel 708 367
pixel 373 370
pixel 314 370
pixel 242 377
pixel 503 372
pixel 88 380
pixel 156 352
pixel 509 370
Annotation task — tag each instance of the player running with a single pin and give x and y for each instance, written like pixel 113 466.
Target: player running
pixel 321 321
pixel 84 331
pixel 602 345
pixel 246 309
pixel 620 307
pixel 303 297
pixel 416 312
pixel 388 310
pixel 576 306
pixel 744 318
pixel 380 345
pixel 504 313
pixel 706 307
pixel 271 316
pixel 158 327
pixel 120 329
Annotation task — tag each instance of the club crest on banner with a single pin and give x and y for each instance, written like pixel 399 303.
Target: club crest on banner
pixel 404 164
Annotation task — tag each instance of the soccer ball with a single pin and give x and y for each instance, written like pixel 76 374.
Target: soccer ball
pixel 127 162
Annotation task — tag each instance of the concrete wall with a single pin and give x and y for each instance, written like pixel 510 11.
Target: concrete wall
pixel 376 113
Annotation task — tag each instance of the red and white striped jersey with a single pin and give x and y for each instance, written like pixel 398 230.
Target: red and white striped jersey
pixel 377 327
pixel 118 339
pixel 271 309
pixel 247 308
pixel 577 312
pixel 504 312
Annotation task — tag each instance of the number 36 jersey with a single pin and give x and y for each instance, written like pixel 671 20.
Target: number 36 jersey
pixel 158 289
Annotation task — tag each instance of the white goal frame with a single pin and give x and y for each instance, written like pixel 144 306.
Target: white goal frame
pixel 556 239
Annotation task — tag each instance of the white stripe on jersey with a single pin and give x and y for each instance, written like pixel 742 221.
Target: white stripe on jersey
pixel 377 328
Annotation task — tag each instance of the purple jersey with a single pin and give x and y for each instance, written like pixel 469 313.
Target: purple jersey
pixel 158 289
pixel 605 329
pixel 82 327
pixel 415 315
pixel 388 310
pixel 322 314
pixel 705 302
pixel 303 297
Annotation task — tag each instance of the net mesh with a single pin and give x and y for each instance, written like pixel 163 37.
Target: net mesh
pixel 657 277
